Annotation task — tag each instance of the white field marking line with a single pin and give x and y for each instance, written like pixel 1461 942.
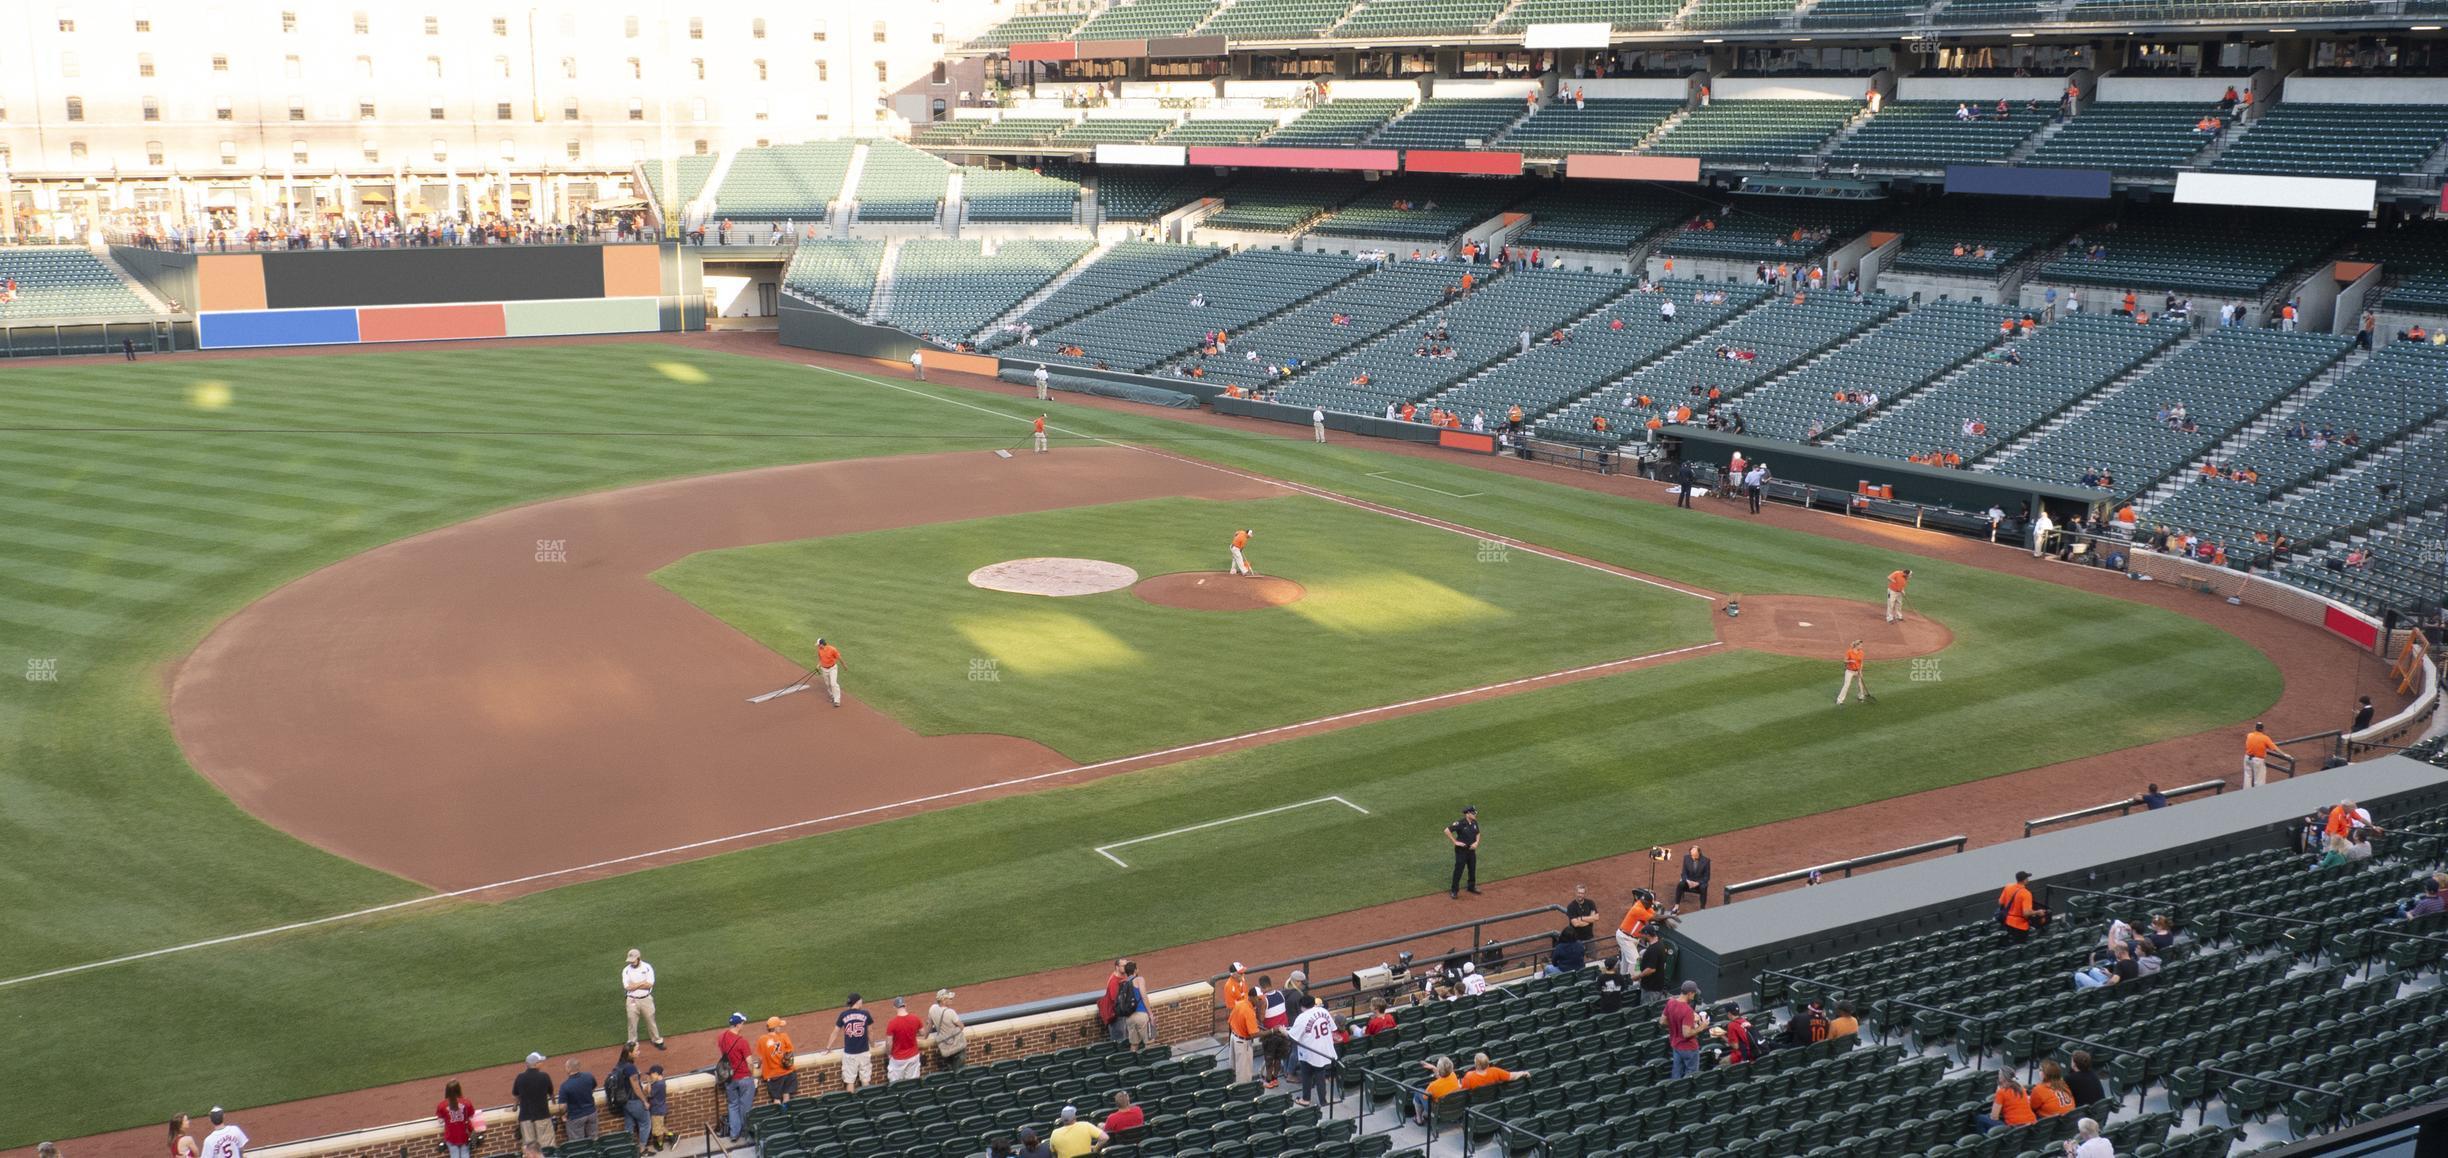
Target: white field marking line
pixel 1385 477
pixel 1302 488
pixel 1103 850
pixel 771 830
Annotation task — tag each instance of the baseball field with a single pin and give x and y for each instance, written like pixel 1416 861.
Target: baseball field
pixel 465 637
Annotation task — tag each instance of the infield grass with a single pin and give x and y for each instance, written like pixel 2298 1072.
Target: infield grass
pixel 131 520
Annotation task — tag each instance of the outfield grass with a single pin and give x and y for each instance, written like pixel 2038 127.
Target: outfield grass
pixel 119 550
pixel 1394 610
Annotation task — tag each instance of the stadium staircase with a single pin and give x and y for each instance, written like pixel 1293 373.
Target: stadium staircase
pixel 1038 296
pixel 152 301
pixel 708 205
pixel 838 215
pixel 2032 143
pixel 955 210
pixel 1663 127
pixel 2086 404
pixel 881 300
pixel 1629 380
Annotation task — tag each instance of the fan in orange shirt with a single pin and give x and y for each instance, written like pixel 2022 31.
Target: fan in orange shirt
pixel 1486 1073
pixel 1895 594
pixel 1240 565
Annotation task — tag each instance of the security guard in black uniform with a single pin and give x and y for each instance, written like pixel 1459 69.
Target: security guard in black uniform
pixel 1464 834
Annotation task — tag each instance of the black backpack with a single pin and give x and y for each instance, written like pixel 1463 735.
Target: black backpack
pixel 616 1091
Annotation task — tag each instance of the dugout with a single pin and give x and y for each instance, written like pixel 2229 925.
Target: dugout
pixel 1952 499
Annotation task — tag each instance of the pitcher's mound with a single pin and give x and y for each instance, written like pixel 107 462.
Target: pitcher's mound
pixel 1217 591
pixel 1819 628
pixel 1053 576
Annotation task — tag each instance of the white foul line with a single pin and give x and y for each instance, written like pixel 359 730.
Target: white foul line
pixel 856 813
pixel 1103 849
pixel 1300 488
pixel 1382 476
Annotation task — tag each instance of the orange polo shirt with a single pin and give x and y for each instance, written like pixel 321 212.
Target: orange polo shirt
pixel 1233 989
pixel 2258 744
pixel 1896 580
pixel 1240 539
pixel 1040 424
pixel 2340 823
pixel 1853 659
pixel 827 656
pixel 1243 1019
pixel 1493 1075
pixel 1639 915
pixel 2018 902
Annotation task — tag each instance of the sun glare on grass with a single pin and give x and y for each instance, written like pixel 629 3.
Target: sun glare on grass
pixel 209 395
pixel 681 372
pixel 1046 643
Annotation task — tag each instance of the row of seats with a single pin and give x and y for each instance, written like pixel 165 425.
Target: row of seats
pixel 1429 210
pixel 1126 269
pixel 2399 568
pixel 899 183
pixel 1017 195
pixel 1620 15
pixel 1928 134
pixel 1137 19
pixel 1773 230
pixel 1777 335
pixel 1891 360
pixel 2061 362
pixel 63 282
pixel 1486 325
pixel 1596 350
pixel 1449 123
pixel 2130 136
pixel 1339 122
pixel 2202 250
pixel 1131 194
pixel 1145 330
pixel 1419 17
pixel 2378 141
pixel 1367 306
pixel 1591 221
pixel 948 290
pixel 1595 126
pixel 1990 240
pixel 1756 130
pixel 689 172
pixel 839 272
pixel 1274 202
pixel 1218 131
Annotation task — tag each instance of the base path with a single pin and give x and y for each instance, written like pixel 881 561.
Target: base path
pixel 526 660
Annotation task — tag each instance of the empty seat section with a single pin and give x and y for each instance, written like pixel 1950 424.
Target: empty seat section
pixel 2062 362
pixel 1125 194
pixel 1017 195
pixel 1144 18
pixel 1889 361
pixel 777 182
pixel 1274 19
pixel 1777 335
pixel 1595 350
pixel 1341 318
pixel 899 183
pixel 1480 328
pixel 1142 331
pixel 690 173
pixel 839 272
pixel 61 282
pixel 1772 230
pixel 1587 219
pixel 2152 137
pixel 2197 248
pixel 1014 132
pixel 946 290
pixel 1419 17
pixel 2019 13
pixel 1598 126
pixel 1621 15
pixel 946 132
pixel 1449 123
pixel 1967 235
pixel 1929 135
pixel 1418 209
pixel 1029 29
pixel 1756 130
pixel 1737 13
pixel 1120 130
pixel 1218 131
pixel 1126 269
pixel 2379 141
pixel 1281 202
pixel 1339 122
pixel 1864 13
pixel 2413 261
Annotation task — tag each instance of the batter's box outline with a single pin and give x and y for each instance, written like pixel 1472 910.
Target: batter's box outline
pixel 1106 850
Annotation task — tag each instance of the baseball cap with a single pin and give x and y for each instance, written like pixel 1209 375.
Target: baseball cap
pixel 775 1023
pixel 1467 968
pixel 634 955
pixel 655 1068
pixel 1473 809
pixel 900 1003
pixel 535 1059
pixel 738 1018
pixel 1691 987
pixel 1236 967
pixel 943 995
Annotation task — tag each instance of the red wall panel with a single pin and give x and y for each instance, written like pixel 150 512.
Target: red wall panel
pixel 430 323
pixel 1046 50
pixel 1262 157
pixel 2351 628
pixel 1610 167
pixel 1443 161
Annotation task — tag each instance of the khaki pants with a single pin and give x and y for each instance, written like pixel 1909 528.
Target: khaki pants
pixel 1321 431
pixel 1241 1059
pixel 832 682
pixel 1041 389
pixel 643 1007
pixel 1240 566
pixel 1853 679
pixel 1041 442
pixel 1627 953
pixel 536 1130
pixel 2256 772
pixel 1140 1026
pixel 856 1071
pixel 1895 606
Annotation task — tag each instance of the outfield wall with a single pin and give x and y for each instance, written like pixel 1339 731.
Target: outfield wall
pixel 1181 1014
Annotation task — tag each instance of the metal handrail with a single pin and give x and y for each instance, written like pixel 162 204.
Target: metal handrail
pixel 2031 1067
pixel 2123 807
pixel 1955 843
pixel 1479 946
pixel 2173 905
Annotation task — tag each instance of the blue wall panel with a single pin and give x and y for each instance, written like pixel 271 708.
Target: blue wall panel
pixel 2017 181
pixel 236 328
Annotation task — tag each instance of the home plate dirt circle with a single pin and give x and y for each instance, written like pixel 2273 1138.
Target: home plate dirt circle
pixel 1819 628
pixel 1053 576
pixel 1217 591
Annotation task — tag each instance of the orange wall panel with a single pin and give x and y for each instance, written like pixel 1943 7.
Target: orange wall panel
pixel 632 271
pixel 429 323
pixel 229 282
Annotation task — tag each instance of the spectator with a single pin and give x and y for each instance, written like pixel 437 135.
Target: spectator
pixel 578 1101
pixel 1651 962
pixel 2152 798
pixel 1735 1032
pixel 1844 1024
pixel 777 1062
pixel 1685 1025
pixel 2146 957
pixel 1483 1072
pixel 1808 1027
pixel 1442 1083
pixel 532 1091
pixel 946 1031
pixel 2083 1080
pixel 739 1088
pixel 2050 1097
pixel 850 1036
pixel 1695 876
pixel 658 1110
pixel 184 1146
pixel 228 1141
pixel 1313 1048
pixel 2015 909
pixel 637 989
pixel 1241 1023
pixel 1030 1146
pixel 1643 910
pixel 1581 915
pixel 2430 904
pixel 2257 748
pixel 1073 1138
pixel 625 1093
pixel 2333 853
pixel 2087 1142
pixel 2009 1106
pixel 2120 969
pixel 2162 934
pixel 1612 986
pixel 1125 1116
pixel 902 1057
pixel 456 1113
pixel 1381 1020
pixel 1474 982
pixel 1567 956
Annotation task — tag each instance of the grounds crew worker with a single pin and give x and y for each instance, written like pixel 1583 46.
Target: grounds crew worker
pixel 1464 834
pixel 828 661
pixel 2257 747
pixel 918 365
pixel 1853 677
pixel 1041 383
pixel 1037 431
pixel 1895 594
pixel 1240 565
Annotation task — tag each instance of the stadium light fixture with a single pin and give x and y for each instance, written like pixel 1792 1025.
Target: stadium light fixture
pixel 1712 40
pixel 2424 28
pixel 2282 30
pixel 2022 35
